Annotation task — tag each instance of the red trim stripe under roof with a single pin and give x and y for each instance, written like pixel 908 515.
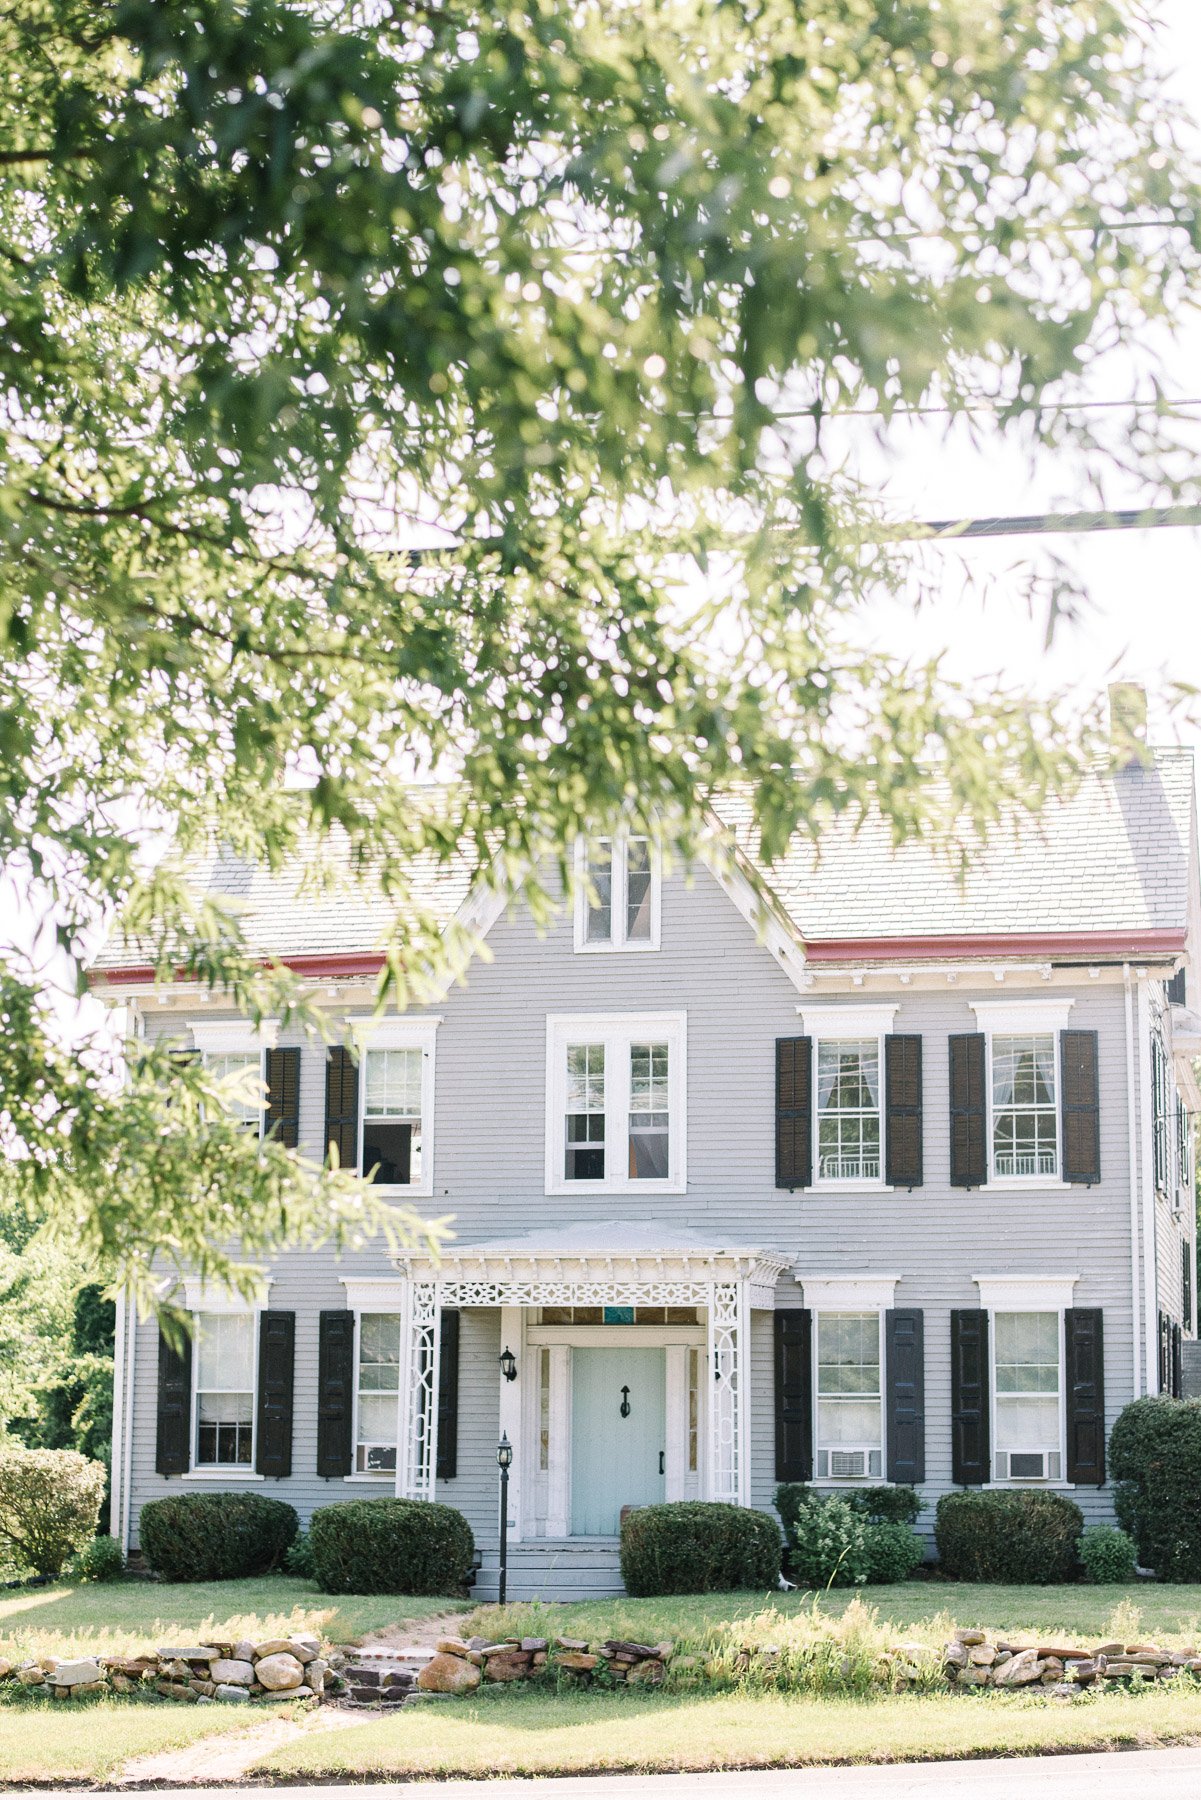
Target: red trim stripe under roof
pixel 329 964
pixel 987 945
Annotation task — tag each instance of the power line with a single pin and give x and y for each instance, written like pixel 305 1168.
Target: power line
pixel 1150 518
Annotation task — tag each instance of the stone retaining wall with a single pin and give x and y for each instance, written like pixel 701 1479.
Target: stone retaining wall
pixel 276 1669
pixel 973 1661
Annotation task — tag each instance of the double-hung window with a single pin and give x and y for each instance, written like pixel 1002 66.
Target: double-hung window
pixel 850 1397
pixel 848 1109
pixel 617 894
pixel 615 1103
pixel 1025 1104
pixel 224 1358
pixel 1027 1390
pixel 233 1053
pixel 377 1393
pixel 396 1101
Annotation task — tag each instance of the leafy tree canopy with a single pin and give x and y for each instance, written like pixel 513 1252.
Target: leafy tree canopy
pixel 567 293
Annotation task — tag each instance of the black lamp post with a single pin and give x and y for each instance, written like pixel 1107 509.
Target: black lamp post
pixel 504 1460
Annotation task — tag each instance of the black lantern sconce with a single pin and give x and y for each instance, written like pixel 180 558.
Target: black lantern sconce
pixel 508 1364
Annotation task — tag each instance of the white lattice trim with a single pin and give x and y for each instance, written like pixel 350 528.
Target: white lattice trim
pixel 575 1293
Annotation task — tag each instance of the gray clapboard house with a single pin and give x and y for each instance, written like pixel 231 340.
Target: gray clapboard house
pixel 840 1171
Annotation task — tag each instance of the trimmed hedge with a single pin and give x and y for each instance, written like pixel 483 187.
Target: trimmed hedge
pixel 49 1506
pixel 1107 1554
pixel 1008 1536
pixel 1155 1464
pixel 215 1537
pixel 391 1546
pixel 698 1547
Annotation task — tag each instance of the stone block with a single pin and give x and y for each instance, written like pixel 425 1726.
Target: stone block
pixel 665 1650
pixel 534 1644
pixel 310 1645
pixel 445 1674
pixel 956 1656
pixel 206 1689
pixel 513 1665
pixel 1021 1669
pixel 7 1668
pixel 204 1653
pixel 982 1655
pixel 577 1659
pixel 539 1660
pixel 567 1643
pixel 121 1684
pixel 230 1690
pixel 31 1675
pixel 647 1673
pixel 969 1637
pixel 174 1690
pixel 61 1693
pixel 176 1670
pixel 1110 1650
pixel 231 1671
pixel 242 1651
pixel 74 1674
pixel 399 1678
pixel 452 1646
pixel 315 1673
pixel 81 1689
pixel 365 1677
pixel 973 1676
pixel 279 1671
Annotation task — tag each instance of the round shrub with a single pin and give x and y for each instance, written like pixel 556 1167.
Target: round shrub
pixel 1155 1463
pixel 827 1544
pixel 891 1504
pixel 99 1560
pixel 1107 1554
pixel 216 1537
pixel 893 1551
pixel 298 1557
pixel 1008 1536
pixel 698 1547
pixel 49 1505
pixel 391 1546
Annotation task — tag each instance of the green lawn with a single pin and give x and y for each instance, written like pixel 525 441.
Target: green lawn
pixel 129 1615
pixel 926 1608
pixel 91 1740
pixel 519 1733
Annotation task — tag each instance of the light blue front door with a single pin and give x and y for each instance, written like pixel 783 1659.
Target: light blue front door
pixel 616 1457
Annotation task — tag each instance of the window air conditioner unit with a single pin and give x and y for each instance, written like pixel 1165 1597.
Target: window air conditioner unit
pixel 1027 1465
pixel 848 1465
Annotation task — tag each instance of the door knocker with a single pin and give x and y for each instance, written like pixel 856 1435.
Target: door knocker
pixel 625 1402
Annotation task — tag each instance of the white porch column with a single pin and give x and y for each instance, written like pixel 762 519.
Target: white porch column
pixel 728 1458
pixel 417 1437
pixel 558 1495
pixel 512 1338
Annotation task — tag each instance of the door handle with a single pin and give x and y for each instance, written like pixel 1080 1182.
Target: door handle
pixel 662 1462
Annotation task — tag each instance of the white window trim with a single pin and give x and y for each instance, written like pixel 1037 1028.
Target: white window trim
pixel 372 1477
pixel 402 1034
pixel 849 1293
pixel 198 1471
pixel 1038 1294
pixel 1017 1018
pixel 831 1024
pixel 618 943
pixel 850 1300
pixel 233 1037
pixel 616 1031
pixel 201 1296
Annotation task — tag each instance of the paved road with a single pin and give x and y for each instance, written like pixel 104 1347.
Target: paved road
pixel 1115 1775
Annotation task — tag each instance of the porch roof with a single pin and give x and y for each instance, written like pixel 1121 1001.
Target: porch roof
pixel 617 1250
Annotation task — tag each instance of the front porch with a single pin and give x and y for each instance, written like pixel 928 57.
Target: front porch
pixel 626 1382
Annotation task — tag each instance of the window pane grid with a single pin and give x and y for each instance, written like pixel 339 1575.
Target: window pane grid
pixel 1025 1113
pixel 849 1397
pixel 598 875
pixel 378 1390
pixel 1026 1374
pixel 848 1110
pixel 638 890
pixel 392 1115
pixel 585 1123
pixel 649 1112
pixel 224 1351
pixel 227 1065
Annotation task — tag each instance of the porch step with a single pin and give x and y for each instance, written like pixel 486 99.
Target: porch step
pixel 558 1569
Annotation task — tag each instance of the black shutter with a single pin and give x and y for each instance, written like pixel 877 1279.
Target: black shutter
pixel 1081 1107
pixel 794 1394
pixel 1085 1346
pixel 903 1111
pixel 283 1097
pixel 342 1106
pixel 906 1391
pixel 1177 1354
pixel 448 1398
pixel 273 1437
pixel 1186 1284
pixel 969 1111
pixel 335 1393
pixel 173 1434
pixel 1176 989
pixel 1165 1373
pixel 969 1396
pixel 794 1112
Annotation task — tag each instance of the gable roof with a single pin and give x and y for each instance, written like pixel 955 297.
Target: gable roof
pixel 1110 867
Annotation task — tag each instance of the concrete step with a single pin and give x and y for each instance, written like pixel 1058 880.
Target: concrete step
pixel 565 1569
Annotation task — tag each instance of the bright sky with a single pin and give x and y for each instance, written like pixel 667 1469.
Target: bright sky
pixel 1144 621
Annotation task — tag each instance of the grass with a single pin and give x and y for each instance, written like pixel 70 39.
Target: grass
pixel 1080 1613
pixel 91 1740
pixel 113 1617
pixel 519 1733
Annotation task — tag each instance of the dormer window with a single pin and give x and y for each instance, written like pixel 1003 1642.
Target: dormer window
pixel 617 894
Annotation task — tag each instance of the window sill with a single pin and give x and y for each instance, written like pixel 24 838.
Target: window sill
pixel 607 1189
pixel 601 949
pixel 384 1475
pixel 402 1190
pixel 848 1187
pixel 850 1481
pixel 223 1472
pixel 1060 1487
pixel 1027 1184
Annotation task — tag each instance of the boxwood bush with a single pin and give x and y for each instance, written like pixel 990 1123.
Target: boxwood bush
pixel 215 1537
pixel 1107 1554
pixel 849 1539
pixel 49 1505
pixel 391 1546
pixel 1155 1464
pixel 1008 1535
pixel 698 1547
